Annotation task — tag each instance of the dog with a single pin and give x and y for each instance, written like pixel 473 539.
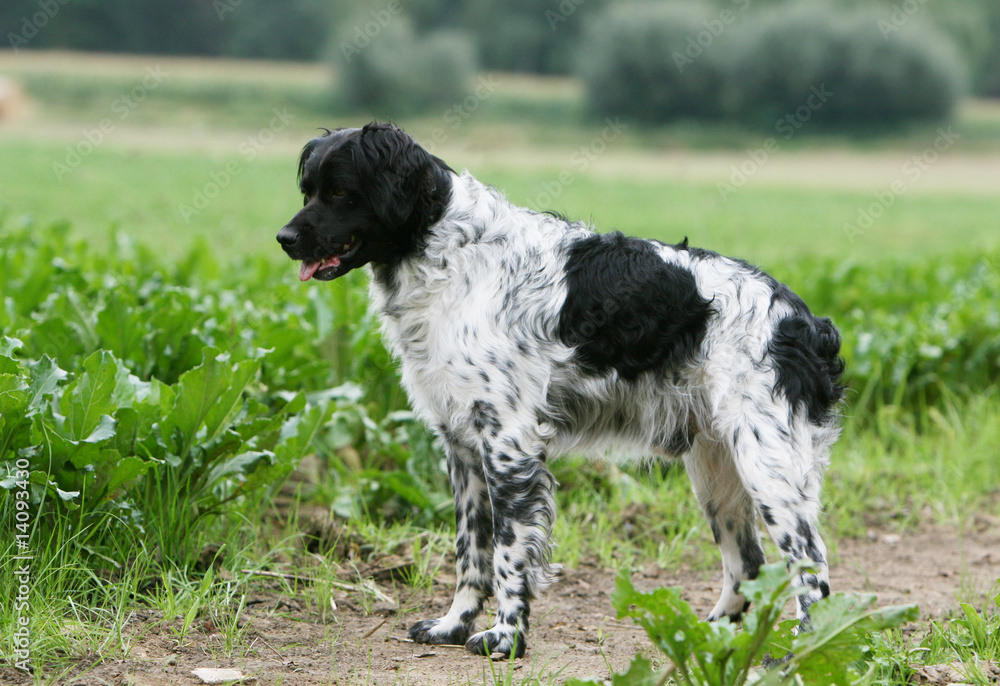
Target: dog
pixel 522 336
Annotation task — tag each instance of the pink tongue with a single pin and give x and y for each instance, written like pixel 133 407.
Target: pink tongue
pixel 307 269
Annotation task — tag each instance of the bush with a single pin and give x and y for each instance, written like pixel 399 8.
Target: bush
pixel 638 60
pixel 397 72
pixel 989 68
pixel 665 61
pixel 874 78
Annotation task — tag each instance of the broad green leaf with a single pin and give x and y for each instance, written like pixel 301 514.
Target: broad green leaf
pixel 8 345
pixel 10 367
pixel 840 622
pixel 45 376
pixel 13 394
pixel 63 329
pixel 406 487
pixel 132 428
pixel 67 495
pixel 238 464
pixel 126 469
pixel 119 324
pixel 206 399
pixel 104 430
pixel 90 396
pixel 296 438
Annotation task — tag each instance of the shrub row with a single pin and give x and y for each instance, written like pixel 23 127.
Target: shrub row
pixel 661 61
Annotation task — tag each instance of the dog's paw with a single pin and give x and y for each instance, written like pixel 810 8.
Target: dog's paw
pixel 497 641
pixel 769 662
pixel 733 608
pixel 438 632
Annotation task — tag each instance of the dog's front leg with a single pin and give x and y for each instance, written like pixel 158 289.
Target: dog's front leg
pixel 473 551
pixel 521 493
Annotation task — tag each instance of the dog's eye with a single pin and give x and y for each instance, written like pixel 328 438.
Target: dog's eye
pixel 338 192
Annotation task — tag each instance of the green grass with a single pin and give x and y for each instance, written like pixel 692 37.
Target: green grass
pixel 143 193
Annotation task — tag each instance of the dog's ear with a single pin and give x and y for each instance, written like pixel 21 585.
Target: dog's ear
pixel 400 177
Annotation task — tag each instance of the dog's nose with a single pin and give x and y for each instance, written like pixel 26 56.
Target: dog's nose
pixel 287 237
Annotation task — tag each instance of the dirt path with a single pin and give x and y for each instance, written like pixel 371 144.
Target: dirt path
pixel 573 632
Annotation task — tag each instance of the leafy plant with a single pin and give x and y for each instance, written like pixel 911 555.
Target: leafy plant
pixel 716 653
pixel 147 399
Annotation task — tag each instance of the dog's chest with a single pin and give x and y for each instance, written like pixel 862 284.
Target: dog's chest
pixel 439 327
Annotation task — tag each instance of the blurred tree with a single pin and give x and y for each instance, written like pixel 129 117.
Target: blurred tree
pixel 388 70
pixel 162 27
pixel 988 71
pixel 655 61
pixel 536 36
pixel 296 30
pixel 878 72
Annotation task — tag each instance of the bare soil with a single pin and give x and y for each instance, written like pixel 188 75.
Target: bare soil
pixel 573 633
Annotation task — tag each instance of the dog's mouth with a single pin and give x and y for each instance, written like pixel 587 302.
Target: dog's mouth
pixel 331 267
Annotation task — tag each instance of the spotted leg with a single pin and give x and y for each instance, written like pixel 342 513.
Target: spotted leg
pixel 521 492
pixel 733 518
pixel 780 464
pixel 473 552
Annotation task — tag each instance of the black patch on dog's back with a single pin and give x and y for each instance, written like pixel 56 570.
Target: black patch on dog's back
pixel 806 350
pixel 628 310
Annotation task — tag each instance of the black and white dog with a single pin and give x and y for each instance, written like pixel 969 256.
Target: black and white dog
pixel 523 336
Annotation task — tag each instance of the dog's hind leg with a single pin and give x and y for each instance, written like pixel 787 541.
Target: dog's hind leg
pixel 780 461
pixel 732 516
pixel 473 551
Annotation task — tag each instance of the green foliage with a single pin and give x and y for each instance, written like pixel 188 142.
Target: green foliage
pixel 397 71
pixel 973 633
pixel 717 653
pixel 659 62
pixel 533 36
pixel 913 332
pixel 222 27
pixel 988 71
pixel 143 398
pixel 633 62
pixel 873 75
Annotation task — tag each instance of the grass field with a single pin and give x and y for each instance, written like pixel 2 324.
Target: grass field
pixel 206 161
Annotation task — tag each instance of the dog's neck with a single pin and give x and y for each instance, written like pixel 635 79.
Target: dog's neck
pixel 462 223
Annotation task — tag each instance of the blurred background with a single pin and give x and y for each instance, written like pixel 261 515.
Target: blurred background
pixel 723 94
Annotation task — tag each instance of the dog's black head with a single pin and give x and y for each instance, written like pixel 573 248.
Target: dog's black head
pixel 371 194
